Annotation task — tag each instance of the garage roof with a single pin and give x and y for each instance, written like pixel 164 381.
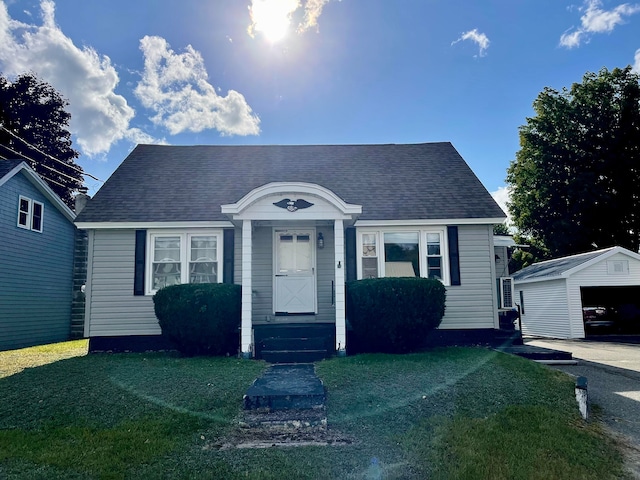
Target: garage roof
pixel 567 266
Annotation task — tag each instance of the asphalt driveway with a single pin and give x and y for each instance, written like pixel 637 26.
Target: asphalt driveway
pixel 612 368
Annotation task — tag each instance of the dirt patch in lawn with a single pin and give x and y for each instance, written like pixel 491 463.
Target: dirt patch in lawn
pixel 286 428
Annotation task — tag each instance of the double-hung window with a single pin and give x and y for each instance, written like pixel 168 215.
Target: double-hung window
pixel 183 257
pixel 30 214
pixel 394 252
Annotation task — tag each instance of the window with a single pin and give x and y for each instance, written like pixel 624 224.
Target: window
pixel 176 258
pixel 404 253
pixel 369 255
pixel 434 255
pixel 30 214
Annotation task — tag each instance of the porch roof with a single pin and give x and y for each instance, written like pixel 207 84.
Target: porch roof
pixel 159 183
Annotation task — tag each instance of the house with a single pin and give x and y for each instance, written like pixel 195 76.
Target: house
pixel 290 224
pixel 37 236
pixel 553 294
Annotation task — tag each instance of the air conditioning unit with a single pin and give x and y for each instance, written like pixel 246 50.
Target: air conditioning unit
pixel 506 293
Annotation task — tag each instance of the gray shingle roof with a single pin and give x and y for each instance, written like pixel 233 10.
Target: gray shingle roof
pixel 555 268
pixel 392 182
pixel 7 165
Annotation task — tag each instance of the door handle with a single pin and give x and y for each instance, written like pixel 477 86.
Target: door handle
pixel 282 275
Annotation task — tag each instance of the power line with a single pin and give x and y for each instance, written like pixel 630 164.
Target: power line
pixel 40 175
pixel 42 165
pixel 79 170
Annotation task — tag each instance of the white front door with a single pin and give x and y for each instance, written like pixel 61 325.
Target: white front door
pixel 295 271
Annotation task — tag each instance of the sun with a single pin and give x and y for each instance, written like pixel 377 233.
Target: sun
pixel 272 18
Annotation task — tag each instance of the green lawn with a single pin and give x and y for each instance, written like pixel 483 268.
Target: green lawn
pixel 449 413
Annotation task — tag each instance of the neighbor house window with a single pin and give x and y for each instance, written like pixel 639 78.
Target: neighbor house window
pixel 30 214
pixel 403 253
pixel 176 258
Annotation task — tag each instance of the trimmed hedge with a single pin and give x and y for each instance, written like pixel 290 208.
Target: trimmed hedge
pixel 200 319
pixel 394 315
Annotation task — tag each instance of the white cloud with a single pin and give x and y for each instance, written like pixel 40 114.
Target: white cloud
pixel 478 38
pixel 502 196
pixel 636 64
pixel 312 11
pixel 99 116
pixel 175 86
pixel 273 17
pixel 597 20
pixel 135 135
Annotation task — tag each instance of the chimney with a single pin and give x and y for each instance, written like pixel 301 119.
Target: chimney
pixel 81 199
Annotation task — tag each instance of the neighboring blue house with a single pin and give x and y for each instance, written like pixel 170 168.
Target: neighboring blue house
pixel 37 238
pixel 291 224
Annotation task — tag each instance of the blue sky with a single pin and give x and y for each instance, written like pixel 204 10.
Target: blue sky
pixel 187 72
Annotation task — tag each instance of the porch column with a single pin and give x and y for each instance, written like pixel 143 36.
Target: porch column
pixel 341 326
pixel 245 330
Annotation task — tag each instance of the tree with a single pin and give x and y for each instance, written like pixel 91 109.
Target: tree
pixel 574 180
pixel 33 126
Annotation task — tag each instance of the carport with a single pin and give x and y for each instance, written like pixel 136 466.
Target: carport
pixel 552 294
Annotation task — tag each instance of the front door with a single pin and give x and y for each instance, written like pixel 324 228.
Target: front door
pixel 295 270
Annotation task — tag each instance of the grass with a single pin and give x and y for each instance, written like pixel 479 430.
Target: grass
pixel 448 413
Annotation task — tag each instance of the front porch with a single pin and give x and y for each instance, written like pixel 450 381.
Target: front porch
pixel 292 270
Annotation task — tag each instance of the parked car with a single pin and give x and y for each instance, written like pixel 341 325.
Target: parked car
pixel 598 317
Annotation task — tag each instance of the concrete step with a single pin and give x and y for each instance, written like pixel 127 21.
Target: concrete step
pixel 302 343
pixel 294 356
pixel 286 387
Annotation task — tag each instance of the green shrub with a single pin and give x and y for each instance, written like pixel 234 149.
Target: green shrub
pixel 200 319
pixel 393 315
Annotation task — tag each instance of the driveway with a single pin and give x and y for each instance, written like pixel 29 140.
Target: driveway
pixel 612 369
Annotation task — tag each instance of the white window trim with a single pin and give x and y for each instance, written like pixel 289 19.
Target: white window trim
pixel 422 249
pixel 185 237
pixel 29 224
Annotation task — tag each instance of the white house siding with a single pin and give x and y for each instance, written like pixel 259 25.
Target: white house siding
pixel 546 313
pixel 35 271
pixel 597 275
pixel 112 308
pixel 471 304
pixel 262 279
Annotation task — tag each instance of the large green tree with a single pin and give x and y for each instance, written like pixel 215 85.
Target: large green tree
pixel 34 127
pixel 575 182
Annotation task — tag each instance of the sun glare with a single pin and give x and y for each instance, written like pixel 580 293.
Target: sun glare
pixel 272 18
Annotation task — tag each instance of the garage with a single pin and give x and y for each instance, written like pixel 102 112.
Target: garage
pixel 603 287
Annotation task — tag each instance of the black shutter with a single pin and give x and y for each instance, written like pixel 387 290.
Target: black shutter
pixel 227 255
pixel 454 255
pixel 350 253
pixel 140 251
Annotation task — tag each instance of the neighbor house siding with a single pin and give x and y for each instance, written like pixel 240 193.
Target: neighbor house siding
pixel 546 312
pixel 35 271
pixel 113 308
pixel 471 304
